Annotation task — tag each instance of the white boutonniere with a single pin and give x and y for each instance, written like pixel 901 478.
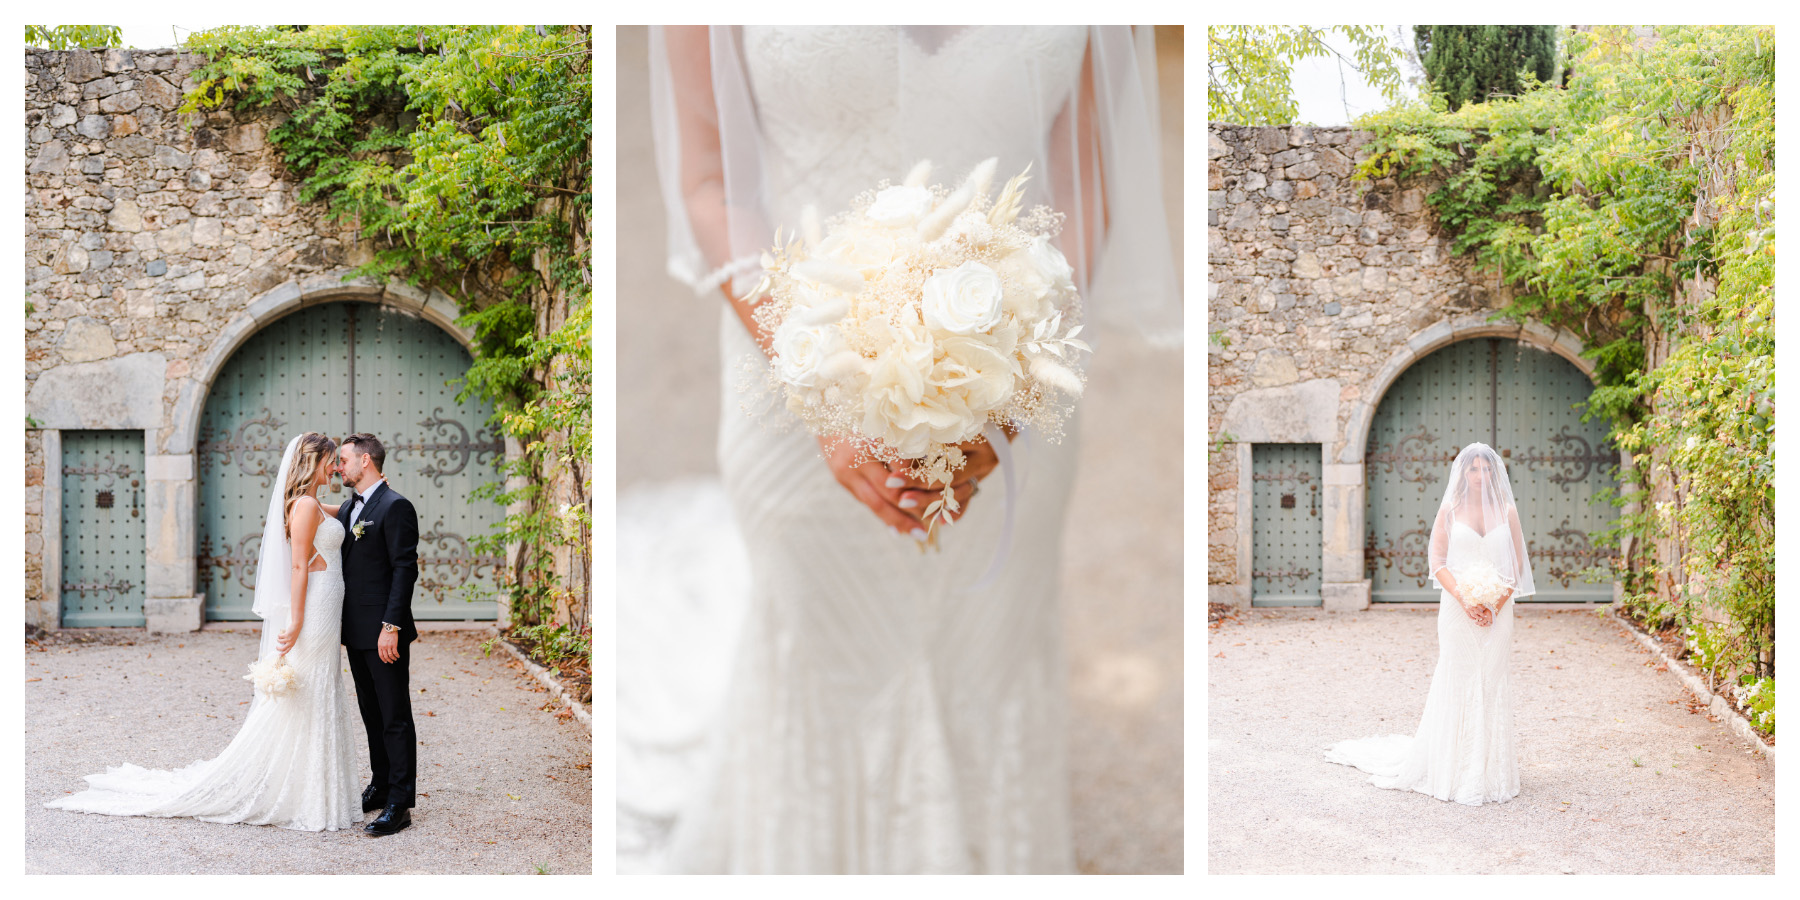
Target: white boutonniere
pixel 357 529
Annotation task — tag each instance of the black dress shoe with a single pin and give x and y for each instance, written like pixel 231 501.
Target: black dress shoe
pixel 394 818
pixel 373 799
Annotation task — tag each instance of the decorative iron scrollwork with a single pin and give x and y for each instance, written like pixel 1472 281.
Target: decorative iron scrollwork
pixel 453 440
pixel 255 447
pixel 449 564
pixel 1571 555
pixel 1288 576
pixel 1407 554
pixel 111 471
pixel 1573 466
pixel 1412 459
pixel 1289 475
pixel 240 561
pixel 112 587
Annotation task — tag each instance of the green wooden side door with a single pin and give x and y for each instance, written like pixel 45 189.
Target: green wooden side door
pixel 1521 401
pixel 1287 533
pixel 341 368
pixel 102 528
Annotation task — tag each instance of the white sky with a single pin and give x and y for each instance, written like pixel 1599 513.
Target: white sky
pixel 152 37
pixel 1322 93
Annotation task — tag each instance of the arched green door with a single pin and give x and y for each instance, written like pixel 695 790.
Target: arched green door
pixel 1521 401
pixel 340 368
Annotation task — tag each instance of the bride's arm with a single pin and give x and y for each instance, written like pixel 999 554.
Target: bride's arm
pixel 303 524
pixel 331 509
pixel 702 178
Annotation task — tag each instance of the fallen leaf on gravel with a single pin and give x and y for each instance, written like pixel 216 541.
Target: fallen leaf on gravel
pixel 514 796
pixel 30 680
pixel 430 713
pixel 1219 655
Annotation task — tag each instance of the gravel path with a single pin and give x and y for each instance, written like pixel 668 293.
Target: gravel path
pixel 505 787
pixel 1616 774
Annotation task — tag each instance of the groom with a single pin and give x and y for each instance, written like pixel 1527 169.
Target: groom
pixel 381 562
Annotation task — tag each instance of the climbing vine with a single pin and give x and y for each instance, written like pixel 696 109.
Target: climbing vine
pixel 462 157
pixel 1636 208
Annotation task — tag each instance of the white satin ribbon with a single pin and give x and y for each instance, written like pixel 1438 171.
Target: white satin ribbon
pixel 1002 449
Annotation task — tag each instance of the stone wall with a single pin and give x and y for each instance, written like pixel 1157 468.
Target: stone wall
pixel 1322 290
pixel 155 243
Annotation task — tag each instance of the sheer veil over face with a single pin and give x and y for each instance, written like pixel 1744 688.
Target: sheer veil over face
pixel 1478 521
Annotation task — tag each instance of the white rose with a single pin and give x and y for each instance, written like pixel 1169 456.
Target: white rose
pixel 963 300
pixel 970 379
pixel 894 394
pixel 801 350
pixel 1053 267
pixel 864 249
pixel 896 207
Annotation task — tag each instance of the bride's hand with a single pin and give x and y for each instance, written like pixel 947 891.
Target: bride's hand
pixel 979 461
pixel 868 483
pixel 288 638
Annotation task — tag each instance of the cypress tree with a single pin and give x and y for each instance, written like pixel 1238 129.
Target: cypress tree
pixel 1469 63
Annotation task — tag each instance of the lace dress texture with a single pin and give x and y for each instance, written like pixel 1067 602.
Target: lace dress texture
pixel 881 716
pixel 1465 749
pixel 292 764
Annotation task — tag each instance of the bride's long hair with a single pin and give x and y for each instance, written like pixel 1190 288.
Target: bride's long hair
pixel 313 447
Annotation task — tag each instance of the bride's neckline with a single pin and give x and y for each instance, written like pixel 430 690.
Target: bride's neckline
pixel 1480 534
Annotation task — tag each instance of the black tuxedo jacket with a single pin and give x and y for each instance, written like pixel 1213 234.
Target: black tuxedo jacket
pixel 380 567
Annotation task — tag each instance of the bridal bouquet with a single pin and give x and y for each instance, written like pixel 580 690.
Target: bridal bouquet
pixel 272 677
pixel 919 317
pixel 1482 585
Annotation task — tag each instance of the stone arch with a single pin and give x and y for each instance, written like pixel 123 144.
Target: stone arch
pixel 1561 342
pixel 435 307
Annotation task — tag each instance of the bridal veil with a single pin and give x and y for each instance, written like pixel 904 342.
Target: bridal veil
pixel 1101 166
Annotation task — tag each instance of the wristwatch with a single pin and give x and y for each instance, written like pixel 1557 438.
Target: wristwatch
pixel 389 629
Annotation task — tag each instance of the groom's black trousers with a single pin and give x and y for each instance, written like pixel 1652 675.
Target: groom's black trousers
pixel 386 706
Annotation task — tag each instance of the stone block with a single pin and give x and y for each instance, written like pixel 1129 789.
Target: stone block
pixel 169 467
pixel 125 217
pixel 124 125
pixel 94 127
pixel 122 102
pixel 1274 368
pixel 1345 596
pixel 174 615
pixel 1286 158
pixel 118 60
pixel 121 392
pixel 73 260
pixel 247 138
pixel 1303 413
pixel 1303 171
pixel 159 93
pixel 208 232
pixel 81 66
pixel 1271 140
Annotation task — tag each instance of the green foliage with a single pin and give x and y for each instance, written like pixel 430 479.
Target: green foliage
pixel 1636 208
pixel 1249 70
pixel 73 37
pixel 463 156
pixel 1756 697
pixel 1473 63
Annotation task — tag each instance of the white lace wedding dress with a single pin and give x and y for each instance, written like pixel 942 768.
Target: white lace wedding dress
pixel 1465 749
pixel 293 762
pixel 880 716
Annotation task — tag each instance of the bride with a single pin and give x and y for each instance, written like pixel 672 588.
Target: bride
pixel 292 763
pixel 891 708
pixel 1464 749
